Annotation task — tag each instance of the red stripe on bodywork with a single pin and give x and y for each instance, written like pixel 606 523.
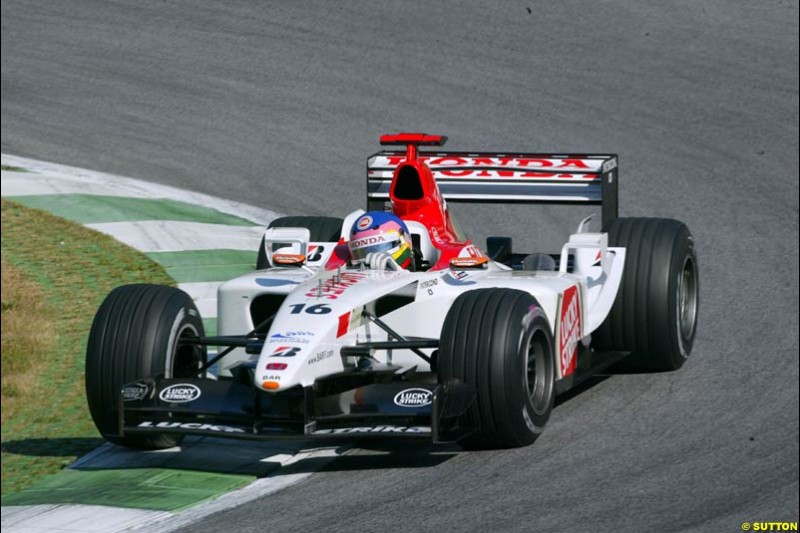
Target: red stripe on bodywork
pixel 344 324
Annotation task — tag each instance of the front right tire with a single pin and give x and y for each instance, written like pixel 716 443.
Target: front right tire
pixel 500 342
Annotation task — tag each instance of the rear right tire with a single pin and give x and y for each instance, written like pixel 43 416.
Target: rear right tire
pixel 654 316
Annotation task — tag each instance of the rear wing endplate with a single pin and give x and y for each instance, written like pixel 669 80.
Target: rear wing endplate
pixel 506 178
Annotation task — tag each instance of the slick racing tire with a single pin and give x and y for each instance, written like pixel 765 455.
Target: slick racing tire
pixel 654 316
pixel 499 341
pixel 137 334
pixel 323 229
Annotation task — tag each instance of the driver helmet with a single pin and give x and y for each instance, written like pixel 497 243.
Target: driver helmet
pixel 377 231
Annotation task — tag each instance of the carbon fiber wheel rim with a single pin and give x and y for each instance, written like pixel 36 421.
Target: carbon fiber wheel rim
pixel 538 372
pixel 687 298
pixel 186 358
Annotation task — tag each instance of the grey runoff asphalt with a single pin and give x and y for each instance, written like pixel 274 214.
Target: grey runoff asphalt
pixel 278 104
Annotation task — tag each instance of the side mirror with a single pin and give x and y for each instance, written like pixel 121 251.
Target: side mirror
pixel 286 247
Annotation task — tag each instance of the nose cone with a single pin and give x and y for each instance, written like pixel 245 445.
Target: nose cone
pixel 314 322
pixel 282 359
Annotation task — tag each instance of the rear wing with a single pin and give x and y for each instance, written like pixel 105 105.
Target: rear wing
pixel 506 178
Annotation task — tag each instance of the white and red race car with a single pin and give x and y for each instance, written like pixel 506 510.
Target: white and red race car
pixel 468 345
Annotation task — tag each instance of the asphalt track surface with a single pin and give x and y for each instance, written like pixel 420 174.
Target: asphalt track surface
pixel 278 104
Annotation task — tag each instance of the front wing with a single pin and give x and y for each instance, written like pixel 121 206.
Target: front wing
pixel 230 408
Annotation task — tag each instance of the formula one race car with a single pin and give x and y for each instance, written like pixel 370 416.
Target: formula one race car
pixel 390 323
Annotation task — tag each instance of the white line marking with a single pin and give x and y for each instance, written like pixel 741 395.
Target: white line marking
pixel 74 518
pixel 174 236
pixel 204 296
pixel 52 178
pixel 257 489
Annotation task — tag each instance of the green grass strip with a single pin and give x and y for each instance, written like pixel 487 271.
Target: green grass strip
pixel 89 209
pixel 76 268
pixel 158 489
pixel 210 326
pixel 205 265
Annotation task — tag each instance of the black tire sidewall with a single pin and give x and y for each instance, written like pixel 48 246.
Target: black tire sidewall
pixel 683 249
pixel 186 320
pixel 536 323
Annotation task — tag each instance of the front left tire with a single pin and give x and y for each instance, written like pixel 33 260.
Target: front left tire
pixel 137 334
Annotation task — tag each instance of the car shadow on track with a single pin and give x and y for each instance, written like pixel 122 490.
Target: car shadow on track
pixel 374 454
pixel 60 447
pixel 590 383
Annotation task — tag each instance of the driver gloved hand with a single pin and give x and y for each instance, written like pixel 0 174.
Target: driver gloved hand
pixel 381 261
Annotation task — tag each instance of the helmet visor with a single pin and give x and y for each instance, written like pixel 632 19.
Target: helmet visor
pixel 357 255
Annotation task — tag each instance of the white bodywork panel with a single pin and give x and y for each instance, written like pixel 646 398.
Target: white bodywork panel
pixel 322 309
